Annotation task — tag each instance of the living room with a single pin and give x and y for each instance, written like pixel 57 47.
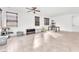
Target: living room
pixel 39 24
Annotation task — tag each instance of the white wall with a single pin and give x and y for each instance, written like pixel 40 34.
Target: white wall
pixel 25 20
pixel 64 22
pixel 75 26
pixel 67 22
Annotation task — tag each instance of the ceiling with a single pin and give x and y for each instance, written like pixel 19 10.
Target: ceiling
pixel 55 11
pixel 52 11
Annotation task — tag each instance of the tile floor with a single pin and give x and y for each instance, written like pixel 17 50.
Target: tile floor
pixel 43 42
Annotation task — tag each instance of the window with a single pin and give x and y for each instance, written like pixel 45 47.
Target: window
pixel 11 19
pixel 46 21
pixel 37 21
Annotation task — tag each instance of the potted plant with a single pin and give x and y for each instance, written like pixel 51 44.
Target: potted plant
pixel 43 29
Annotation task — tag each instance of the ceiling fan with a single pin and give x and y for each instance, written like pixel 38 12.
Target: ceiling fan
pixel 33 9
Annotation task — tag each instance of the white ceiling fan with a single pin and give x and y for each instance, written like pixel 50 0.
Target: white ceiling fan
pixel 33 9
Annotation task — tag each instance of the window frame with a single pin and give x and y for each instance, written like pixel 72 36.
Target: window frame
pixel 9 20
pixel 37 21
pixel 46 21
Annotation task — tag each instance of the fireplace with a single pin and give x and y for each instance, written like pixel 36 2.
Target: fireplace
pixel 30 31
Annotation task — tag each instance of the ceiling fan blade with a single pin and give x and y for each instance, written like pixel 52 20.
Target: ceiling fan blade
pixel 37 10
pixel 34 8
pixel 29 9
